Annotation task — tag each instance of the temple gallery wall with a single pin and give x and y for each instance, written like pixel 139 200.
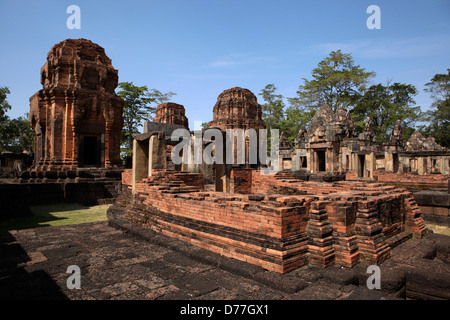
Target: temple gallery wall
pixel 339 198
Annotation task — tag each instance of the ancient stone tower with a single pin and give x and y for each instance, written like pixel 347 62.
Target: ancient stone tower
pixel 171 113
pixel 237 108
pixel 77 117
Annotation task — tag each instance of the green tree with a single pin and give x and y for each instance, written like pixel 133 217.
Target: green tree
pixel 16 135
pixel 385 105
pixel 4 119
pixel 286 119
pixel 438 116
pixel 139 105
pixel 273 109
pixel 20 136
pixel 4 105
pixel 337 81
pixel 297 115
pixel 204 125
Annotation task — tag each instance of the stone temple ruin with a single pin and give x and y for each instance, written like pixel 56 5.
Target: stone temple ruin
pixel 327 205
pixel 279 222
pixel 77 117
pixel 77 120
pixel 331 147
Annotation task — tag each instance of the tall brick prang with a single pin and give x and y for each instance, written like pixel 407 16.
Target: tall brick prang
pixel 171 113
pixel 237 108
pixel 76 116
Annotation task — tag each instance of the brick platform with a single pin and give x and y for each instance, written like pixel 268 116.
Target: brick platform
pixel 407 180
pixel 278 222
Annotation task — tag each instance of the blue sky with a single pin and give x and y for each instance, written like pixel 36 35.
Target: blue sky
pixel 197 49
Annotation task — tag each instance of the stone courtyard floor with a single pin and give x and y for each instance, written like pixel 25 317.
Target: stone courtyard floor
pixel 116 264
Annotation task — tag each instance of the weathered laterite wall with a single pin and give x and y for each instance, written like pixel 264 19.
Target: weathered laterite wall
pixel 83 186
pixel 407 180
pixel 341 223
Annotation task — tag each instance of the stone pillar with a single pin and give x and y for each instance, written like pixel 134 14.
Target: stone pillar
pixel 342 217
pixel 48 133
pixel 140 162
pixel 157 153
pixel 68 129
pixel 445 165
pixel 295 162
pixel 429 165
pixel 187 163
pixel 75 144
pixel 319 230
pixel 107 145
pixel 373 247
pixel 388 161
pixel 372 163
pixel 421 165
pixel 56 140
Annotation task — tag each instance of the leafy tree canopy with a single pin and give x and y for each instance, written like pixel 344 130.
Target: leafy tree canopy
pixel 438 117
pixel 16 135
pixel 385 104
pixel 336 81
pixel 139 105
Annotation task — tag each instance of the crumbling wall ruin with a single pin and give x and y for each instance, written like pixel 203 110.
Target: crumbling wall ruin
pixel 275 221
pixel 341 223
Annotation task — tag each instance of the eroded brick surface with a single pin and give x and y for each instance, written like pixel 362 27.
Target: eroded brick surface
pixel 278 222
pixel 77 116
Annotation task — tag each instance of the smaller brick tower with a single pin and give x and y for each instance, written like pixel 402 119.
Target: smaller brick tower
pixel 172 113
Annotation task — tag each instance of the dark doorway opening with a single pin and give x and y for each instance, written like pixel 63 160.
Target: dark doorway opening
pixel 321 160
pixel 90 151
pixel 396 162
pixel 303 162
pixel 362 162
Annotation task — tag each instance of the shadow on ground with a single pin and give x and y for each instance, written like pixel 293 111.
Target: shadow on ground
pixel 42 218
pixel 54 214
pixel 18 284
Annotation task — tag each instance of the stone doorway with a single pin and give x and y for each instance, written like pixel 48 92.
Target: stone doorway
pixel 90 151
pixel 220 178
pixel 361 166
pixel 396 162
pixel 321 160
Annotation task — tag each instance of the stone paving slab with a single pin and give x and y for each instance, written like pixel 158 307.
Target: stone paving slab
pixel 114 265
pixel 117 264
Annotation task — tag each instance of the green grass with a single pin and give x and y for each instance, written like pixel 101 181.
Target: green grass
pixel 56 214
pixel 439 229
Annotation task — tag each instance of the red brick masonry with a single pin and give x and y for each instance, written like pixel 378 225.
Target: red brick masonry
pixel 277 222
pixel 406 180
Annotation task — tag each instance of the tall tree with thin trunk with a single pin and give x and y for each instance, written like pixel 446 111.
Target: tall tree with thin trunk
pixel 336 81
pixel 438 116
pixel 139 105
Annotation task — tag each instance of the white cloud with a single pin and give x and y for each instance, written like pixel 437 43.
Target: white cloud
pixel 233 59
pixel 389 47
pixel 224 63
